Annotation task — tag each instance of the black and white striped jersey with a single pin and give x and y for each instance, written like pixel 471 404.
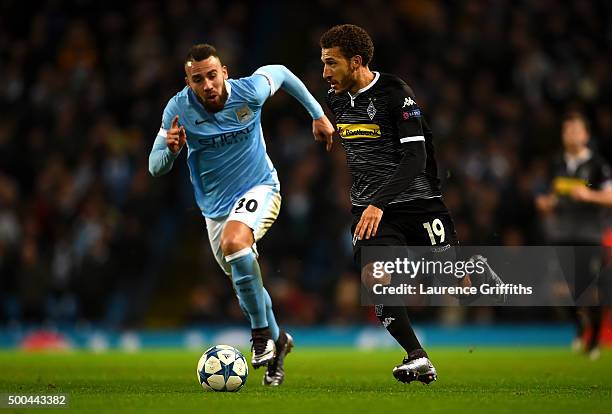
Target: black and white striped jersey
pixel 576 221
pixel 373 124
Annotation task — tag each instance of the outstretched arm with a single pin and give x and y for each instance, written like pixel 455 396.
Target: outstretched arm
pixel 279 77
pixel 587 195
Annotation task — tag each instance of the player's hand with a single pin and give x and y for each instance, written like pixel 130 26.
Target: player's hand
pixel 176 136
pixel 581 193
pixel 368 224
pixel 323 131
pixel 546 203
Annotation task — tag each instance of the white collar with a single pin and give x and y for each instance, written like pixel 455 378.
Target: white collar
pixel 228 86
pixel 368 86
pixel 581 157
pixel 573 161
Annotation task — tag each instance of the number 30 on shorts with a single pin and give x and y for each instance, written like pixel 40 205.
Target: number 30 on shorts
pixel 435 228
pixel 250 205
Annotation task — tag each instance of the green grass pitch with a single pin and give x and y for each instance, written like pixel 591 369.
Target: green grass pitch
pixel 483 380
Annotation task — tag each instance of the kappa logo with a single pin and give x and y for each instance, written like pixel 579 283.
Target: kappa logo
pixel 408 102
pixel 388 322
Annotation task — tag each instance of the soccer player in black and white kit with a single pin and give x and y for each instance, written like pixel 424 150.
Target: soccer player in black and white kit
pixel 580 183
pixel 395 193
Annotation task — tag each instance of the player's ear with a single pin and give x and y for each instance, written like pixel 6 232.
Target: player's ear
pixel 225 72
pixel 187 66
pixel 356 62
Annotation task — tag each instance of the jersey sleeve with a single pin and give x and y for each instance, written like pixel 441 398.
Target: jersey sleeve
pixel 280 77
pixel 604 176
pixel 170 111
pixel 257 88
pixel 161 159
pixel 413 162
pixel 406 114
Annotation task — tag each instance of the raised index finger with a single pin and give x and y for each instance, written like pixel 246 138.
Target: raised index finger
pixel 175 122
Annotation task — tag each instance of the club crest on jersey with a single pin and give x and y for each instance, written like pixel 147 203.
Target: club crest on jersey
pixel 354 131
pixel 371 110
pixel 408 102
pixel 244 114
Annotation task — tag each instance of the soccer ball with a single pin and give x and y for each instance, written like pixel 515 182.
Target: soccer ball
pixel 222 368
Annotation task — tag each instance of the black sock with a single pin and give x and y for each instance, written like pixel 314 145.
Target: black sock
pixel 265 332
pixel 595 316
pixel 395 320
pixel 579 321
pixel 282 339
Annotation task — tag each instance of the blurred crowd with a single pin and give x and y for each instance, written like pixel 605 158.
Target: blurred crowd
pixel 88 236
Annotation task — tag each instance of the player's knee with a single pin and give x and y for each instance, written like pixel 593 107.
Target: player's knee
pixel 232 243
pixel 369 278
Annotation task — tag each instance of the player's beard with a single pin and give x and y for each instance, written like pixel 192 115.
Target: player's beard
pixel 218 104
pixel 344 85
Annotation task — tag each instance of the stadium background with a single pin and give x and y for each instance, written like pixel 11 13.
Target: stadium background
pixel 89 238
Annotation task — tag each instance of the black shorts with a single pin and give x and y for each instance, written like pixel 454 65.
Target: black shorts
pixel 581 266
pixel 415 223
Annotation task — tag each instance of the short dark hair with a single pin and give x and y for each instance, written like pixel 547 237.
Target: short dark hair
pixel 201 51
pixel 352 40
pixel 577 116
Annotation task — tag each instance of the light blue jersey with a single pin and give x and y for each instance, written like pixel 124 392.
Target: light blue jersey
pixel 226 150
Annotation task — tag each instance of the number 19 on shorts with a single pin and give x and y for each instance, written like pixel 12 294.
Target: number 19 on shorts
pixel 435 229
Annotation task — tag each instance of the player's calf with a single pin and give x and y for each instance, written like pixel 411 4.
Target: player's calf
pixel 488 276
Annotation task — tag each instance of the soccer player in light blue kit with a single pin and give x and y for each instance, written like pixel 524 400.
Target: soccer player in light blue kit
pixel 234 181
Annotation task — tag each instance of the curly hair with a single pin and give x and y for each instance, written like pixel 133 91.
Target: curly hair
pixel 352 40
